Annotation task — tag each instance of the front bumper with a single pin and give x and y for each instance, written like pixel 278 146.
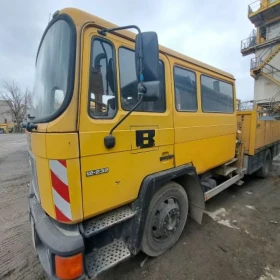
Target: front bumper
pixel 51 238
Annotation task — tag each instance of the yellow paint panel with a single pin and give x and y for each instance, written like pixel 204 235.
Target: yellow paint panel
pixel 67 121
pixel 260 134
pixel 121 184
pixel 207 153
pixel 62 145
pixel 75 189
pixel 193 133
pixel 45 186
pixel 253 133
pixel 92 143
pixel 38 144
pixel 268 132
pixel 205 139
pixel 41 128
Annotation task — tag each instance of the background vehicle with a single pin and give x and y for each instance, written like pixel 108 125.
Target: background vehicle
pixel 125 142
pixel 4 128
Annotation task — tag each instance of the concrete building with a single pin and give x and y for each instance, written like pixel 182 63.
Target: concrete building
pixel 5 115
pixel 264 42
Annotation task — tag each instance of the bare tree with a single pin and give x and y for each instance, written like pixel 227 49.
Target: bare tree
pixel 17 100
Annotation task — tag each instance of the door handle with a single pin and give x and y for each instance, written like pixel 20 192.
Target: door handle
pixel 166 156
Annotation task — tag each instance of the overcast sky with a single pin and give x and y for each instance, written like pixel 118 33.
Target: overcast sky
pixel 209 31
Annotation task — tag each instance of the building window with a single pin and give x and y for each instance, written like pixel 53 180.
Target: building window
pixel 216 95
pixel 102 89
pixel 185 89
pixel 129 84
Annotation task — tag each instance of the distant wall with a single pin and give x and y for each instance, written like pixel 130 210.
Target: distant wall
pixel 273 30
pixel 4 112
pixel 265 88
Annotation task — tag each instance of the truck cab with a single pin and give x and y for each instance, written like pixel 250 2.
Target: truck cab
pixel 123 136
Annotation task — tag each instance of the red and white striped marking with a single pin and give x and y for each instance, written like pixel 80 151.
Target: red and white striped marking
pixel 60 190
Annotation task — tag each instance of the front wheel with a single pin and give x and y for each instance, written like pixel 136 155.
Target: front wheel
pixel 166 219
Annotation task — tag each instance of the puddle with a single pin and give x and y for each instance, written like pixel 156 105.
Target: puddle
pixel 220 217
pixel 270 274
pixel 251 207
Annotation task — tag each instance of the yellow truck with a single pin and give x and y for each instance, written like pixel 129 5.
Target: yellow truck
pixel 126 140
pixel 4 128
pixel 260 137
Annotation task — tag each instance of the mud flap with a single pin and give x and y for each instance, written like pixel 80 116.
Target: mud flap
pixel 195 193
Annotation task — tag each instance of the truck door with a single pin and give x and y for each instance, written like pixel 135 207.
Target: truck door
pixel 144 141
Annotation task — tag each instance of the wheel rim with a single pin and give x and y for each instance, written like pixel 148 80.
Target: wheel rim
pixel 166 219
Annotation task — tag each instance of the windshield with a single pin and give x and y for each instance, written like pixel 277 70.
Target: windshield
pixel 52 72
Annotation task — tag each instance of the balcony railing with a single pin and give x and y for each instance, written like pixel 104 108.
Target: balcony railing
pixel 258 60
pixel 270 106
pixel 260 4
pixel 250 41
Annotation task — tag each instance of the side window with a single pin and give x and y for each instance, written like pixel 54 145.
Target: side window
pixel 185 89
pixel 102 89
pixel 216 95
pixel 129 84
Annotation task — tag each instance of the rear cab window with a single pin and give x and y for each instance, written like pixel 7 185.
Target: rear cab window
pixel 217 96
pixel 185 90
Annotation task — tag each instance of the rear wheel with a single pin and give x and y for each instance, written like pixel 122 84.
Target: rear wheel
pixel 166 219
pixel 264 170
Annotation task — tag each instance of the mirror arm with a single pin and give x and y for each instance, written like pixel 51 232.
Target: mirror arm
pixel 141 58
pixel 106 30
pixel 110 140
pixel 132 110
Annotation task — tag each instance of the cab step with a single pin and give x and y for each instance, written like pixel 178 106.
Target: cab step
pixel 237 178
pixel 106 257
pixel 231 162
pixel 105 221
pixel 227 168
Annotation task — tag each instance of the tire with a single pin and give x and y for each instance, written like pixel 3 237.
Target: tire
pixel 167 216
pixel 264 170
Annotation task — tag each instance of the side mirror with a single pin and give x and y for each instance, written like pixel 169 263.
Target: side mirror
pixel 150 54
pixel 152 91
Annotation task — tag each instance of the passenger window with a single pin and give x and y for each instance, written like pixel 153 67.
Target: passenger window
pixel 129 84
pixel 216 95
pixel 185 89
pixel 102 92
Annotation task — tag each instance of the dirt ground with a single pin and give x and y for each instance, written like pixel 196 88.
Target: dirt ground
pixel 238 239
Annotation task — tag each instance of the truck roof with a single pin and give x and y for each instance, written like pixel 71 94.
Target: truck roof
pixel 81 18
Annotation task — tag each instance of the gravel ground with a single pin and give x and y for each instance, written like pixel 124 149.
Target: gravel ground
pixel 238 239
pixel 17 257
